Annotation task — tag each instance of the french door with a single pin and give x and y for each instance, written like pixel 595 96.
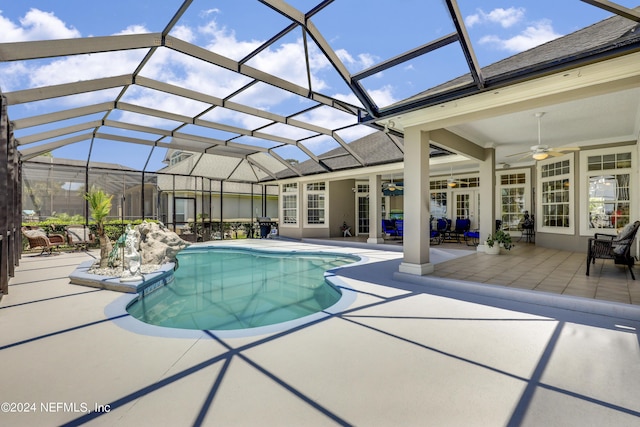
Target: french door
pixel 466 204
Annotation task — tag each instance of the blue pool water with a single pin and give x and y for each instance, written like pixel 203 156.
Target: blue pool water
pixel 225 289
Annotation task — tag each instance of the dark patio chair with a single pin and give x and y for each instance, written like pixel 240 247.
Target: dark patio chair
pixel 444 226
pixel 617 248
pixel 463 225
pixel 400 227
pixel 79 236
pixel 389 228
pixel 472 237
pixel 436 235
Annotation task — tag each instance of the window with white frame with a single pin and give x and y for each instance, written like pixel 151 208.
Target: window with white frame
pixel 514 198
pixel 290 203
pixel 555 198
pixel 607 189
pixel 438 199
pixel 316 198
pixel 438 205
pixel 178 156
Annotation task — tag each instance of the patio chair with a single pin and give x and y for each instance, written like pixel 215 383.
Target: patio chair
pixel 79 236
pixel 472 237
pixel 389 228
pixel 444 227
pixel 617 248
pixel 39 239
pixel 436 235
pixel 463 225
pixel 400 227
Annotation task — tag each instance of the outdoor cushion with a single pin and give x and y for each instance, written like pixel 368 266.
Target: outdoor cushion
pixel 32 234
pixel 626 232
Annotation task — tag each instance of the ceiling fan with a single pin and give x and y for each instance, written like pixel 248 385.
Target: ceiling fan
pixel 392 186
pixel 541 151
pixel 451 182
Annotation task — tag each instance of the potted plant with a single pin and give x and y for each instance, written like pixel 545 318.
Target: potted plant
pixel 501 239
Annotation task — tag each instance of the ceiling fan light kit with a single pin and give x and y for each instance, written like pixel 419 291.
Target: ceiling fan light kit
pixel 541 151
pixel 450 181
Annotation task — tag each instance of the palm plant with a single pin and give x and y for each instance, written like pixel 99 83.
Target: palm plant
pixel 100 207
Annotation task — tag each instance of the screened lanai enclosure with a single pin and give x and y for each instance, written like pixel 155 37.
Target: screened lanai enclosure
pixel 54 189
pixel 192 115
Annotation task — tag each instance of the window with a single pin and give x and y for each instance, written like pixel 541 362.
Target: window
pixel 178 156
pixel 556 195
pixel 363 214
pixel 181 206
pixel 438 185
pixel 438 206
pixel 607 189
pixel 468 182
pixel 362 197
pixel 514 198
pixel 316 199
pixel 290 203
pixel 471 182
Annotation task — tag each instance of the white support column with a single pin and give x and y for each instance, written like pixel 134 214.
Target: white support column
pixel 487 207
pixel 375 209
pixel 416 203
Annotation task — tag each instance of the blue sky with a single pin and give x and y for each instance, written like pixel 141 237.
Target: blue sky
pixel 361 33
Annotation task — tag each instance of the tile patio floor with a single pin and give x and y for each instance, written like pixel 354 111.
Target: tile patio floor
pixel 400 353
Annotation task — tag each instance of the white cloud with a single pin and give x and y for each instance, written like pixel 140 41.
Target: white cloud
pixel 285 60
pixel 383 96
pixel 533 35
pixel 133 29
pixel 504 17
pixel 208 12
pixel 183 32
pixel 363 60
pixel 35 25
pixel 85 67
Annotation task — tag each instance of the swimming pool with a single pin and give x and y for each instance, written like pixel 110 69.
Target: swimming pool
pixel 226 289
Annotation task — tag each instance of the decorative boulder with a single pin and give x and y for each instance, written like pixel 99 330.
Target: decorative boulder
pixel 158 244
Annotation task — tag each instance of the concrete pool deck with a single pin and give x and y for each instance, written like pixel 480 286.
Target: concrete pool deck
pixel 401 354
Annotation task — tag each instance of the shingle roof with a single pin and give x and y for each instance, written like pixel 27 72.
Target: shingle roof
pixel 600 35
pixel 377 148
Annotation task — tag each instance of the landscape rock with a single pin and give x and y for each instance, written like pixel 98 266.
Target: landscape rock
pixel 158 244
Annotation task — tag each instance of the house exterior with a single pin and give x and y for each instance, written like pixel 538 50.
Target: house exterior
pixel 448 169
pixel 185 200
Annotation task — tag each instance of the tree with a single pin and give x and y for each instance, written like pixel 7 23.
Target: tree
pixel 100 207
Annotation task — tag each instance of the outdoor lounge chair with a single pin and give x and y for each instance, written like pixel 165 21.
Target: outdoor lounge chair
pixel 617 248
pixel 39 239
pixel 79 236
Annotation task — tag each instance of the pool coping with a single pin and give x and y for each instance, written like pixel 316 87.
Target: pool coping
pixel 149 282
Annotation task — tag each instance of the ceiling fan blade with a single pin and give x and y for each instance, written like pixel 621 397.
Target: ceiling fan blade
pixel 523 156
pixel 555 153
pixel 525 153
pixel 560 149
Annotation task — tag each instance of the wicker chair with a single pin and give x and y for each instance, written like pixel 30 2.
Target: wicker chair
pixel 39 239
pixel 79 236
pixel 617 248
